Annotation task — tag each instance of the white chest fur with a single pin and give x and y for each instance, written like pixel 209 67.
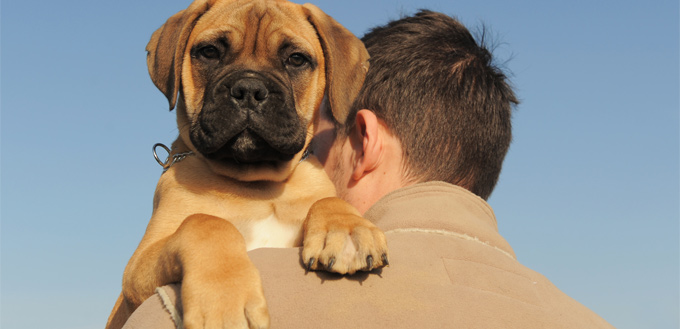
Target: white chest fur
pixel 271 233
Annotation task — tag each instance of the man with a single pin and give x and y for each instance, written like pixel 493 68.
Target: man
pixel 418 155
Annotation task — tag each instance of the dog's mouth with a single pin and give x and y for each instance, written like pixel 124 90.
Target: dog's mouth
pixel 249 121
pixel 249 148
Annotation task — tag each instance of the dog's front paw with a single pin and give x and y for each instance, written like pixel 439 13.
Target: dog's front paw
pixel 231 298
pixel 337 239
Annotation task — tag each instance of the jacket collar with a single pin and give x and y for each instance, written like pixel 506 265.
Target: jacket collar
pixel 438 207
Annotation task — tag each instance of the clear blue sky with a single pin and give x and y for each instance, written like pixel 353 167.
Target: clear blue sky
pixel 589 195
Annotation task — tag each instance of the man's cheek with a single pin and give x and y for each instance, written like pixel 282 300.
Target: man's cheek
pixel 330 165
pixel 321 145
pixel 336 167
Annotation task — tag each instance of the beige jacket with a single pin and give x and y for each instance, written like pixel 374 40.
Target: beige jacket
pixel 449 268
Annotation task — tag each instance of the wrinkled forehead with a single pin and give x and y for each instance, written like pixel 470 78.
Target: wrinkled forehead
pixel 252 24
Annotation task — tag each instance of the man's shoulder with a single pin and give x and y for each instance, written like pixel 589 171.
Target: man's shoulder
pixel 275 257
pixel 434 279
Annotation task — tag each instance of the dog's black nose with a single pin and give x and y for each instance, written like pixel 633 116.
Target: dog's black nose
pixel 249 90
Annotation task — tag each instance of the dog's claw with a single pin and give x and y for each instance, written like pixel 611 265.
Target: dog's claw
pixel 384 260
pixel 310 263
pixel 369 262
pixel 330 264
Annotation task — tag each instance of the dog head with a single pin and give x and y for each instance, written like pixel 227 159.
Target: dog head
pixel 247 79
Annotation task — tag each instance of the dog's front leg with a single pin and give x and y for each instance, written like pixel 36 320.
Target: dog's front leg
pixel 221 288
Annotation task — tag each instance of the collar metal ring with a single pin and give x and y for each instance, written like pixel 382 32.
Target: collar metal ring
pixel 155 155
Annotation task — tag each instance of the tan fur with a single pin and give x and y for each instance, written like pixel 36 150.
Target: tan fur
pixel 206 214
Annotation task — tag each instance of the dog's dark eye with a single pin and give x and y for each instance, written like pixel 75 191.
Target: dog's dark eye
pixel 296 60
pixel 209 52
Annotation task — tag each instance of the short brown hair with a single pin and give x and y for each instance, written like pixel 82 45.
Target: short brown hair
pixel 437 90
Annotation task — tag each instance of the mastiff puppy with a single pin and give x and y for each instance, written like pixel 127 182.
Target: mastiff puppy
pixel 247 79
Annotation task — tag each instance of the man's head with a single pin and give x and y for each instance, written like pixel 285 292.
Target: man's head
pixel 435 90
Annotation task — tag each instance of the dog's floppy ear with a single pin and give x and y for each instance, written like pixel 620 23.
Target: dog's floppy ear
pixel 165 51
pixel 346 61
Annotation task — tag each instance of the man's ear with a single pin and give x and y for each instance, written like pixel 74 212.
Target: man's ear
pixel 367 142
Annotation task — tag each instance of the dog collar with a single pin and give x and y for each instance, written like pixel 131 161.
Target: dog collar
pixel 305 155
pixel 180 156
pixel 169 161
